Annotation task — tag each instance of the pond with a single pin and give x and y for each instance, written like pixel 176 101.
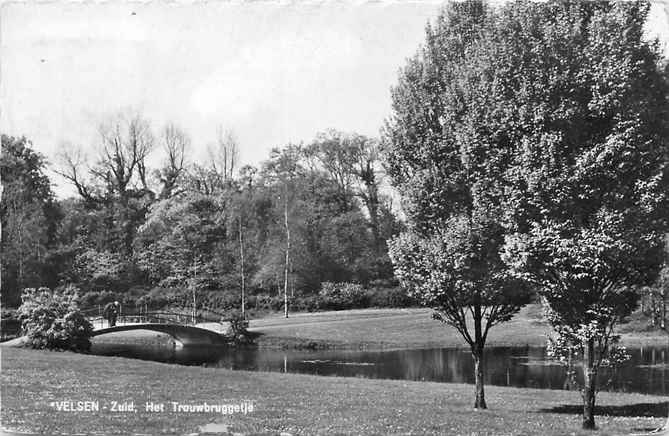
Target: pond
pixel 646 372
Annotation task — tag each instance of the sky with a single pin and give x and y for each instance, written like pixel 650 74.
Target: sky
pixel 273 72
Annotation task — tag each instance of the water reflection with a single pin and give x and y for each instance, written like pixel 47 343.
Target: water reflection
pixel 646 372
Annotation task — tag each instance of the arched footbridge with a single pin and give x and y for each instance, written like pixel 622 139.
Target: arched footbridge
pixel 186 329
pixel 187 335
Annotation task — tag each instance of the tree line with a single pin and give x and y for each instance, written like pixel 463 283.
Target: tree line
pixel 310 213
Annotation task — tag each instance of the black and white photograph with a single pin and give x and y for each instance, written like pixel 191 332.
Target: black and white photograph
pixel 334 217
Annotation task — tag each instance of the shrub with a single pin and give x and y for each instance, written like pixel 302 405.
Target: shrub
pixel 342 295
pixel 97 298
pixel 52 320
pixel 265 303
pixel 306 303
pixel 238 328
pixel 220 300
pixel 390 297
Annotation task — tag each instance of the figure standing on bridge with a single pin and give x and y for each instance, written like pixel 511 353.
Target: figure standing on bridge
pixel 111 312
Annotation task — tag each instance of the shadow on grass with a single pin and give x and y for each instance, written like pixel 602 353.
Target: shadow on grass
pixel 651 410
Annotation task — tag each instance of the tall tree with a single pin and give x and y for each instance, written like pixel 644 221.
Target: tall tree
pixel 225 154
pixel 284 168
pixel 181 233
pixel 353 163
pixel 29 217
pixel 449 259
pixel 577 99
pixel 175 144
pixel 120 165
pixel 117 180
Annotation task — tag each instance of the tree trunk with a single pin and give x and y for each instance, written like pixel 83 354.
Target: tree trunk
pixel 663 323
pixel 589 385
pixel 285 283
pixel 477 353
pixel 479 402
pixel 241 254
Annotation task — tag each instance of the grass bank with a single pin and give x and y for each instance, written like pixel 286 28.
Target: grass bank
pixel 406 328
pixel 295 404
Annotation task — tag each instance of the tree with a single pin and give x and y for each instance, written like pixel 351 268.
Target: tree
pixel 336 153
pixel 457 271
pixel 225 154
pixel 175 143
pixel 555 117
pixel 116 183
pixel 577 103
pixel 284 167
pixel 29 216
pixel 125 142
pixel 352 162
pixel 449 259
pixel 183 232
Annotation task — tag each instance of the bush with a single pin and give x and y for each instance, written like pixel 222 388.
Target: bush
pixel 390 297
pixel 238 328
pixel 339 296
pixel 306 303
pixel 97 298
pixel 219 300
pixel 52 320
pixel 265 303
pixel 162 297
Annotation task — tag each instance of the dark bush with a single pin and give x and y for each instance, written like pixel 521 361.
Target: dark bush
pixel 10 324
pixel 220 300
pixel 390 297
pixel 238 330
pixel 306 303
pixel 266 303
pixel 97 298
pixel 163 297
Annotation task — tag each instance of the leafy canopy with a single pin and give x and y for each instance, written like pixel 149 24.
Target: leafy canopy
pixel 451 180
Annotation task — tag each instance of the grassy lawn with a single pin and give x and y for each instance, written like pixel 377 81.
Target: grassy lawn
pixel 406 328
pixel 295 404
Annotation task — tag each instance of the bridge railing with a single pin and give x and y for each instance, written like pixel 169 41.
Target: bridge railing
pixel 160 317
pixel 203 314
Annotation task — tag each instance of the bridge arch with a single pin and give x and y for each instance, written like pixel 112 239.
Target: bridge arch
pixel 184 334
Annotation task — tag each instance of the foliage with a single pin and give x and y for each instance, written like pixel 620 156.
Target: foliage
pixel 98 270
pixel 238 328
pixel 98 298
pixel 567 346
pixel 452 175
pixel 29 216
pixel 575 103
pixel 181 225
pixel 342 295
pixel 655 299
pixel 451 271
pixel 181 241
pixel 51 319
pixel 396 297
pixel 548 121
